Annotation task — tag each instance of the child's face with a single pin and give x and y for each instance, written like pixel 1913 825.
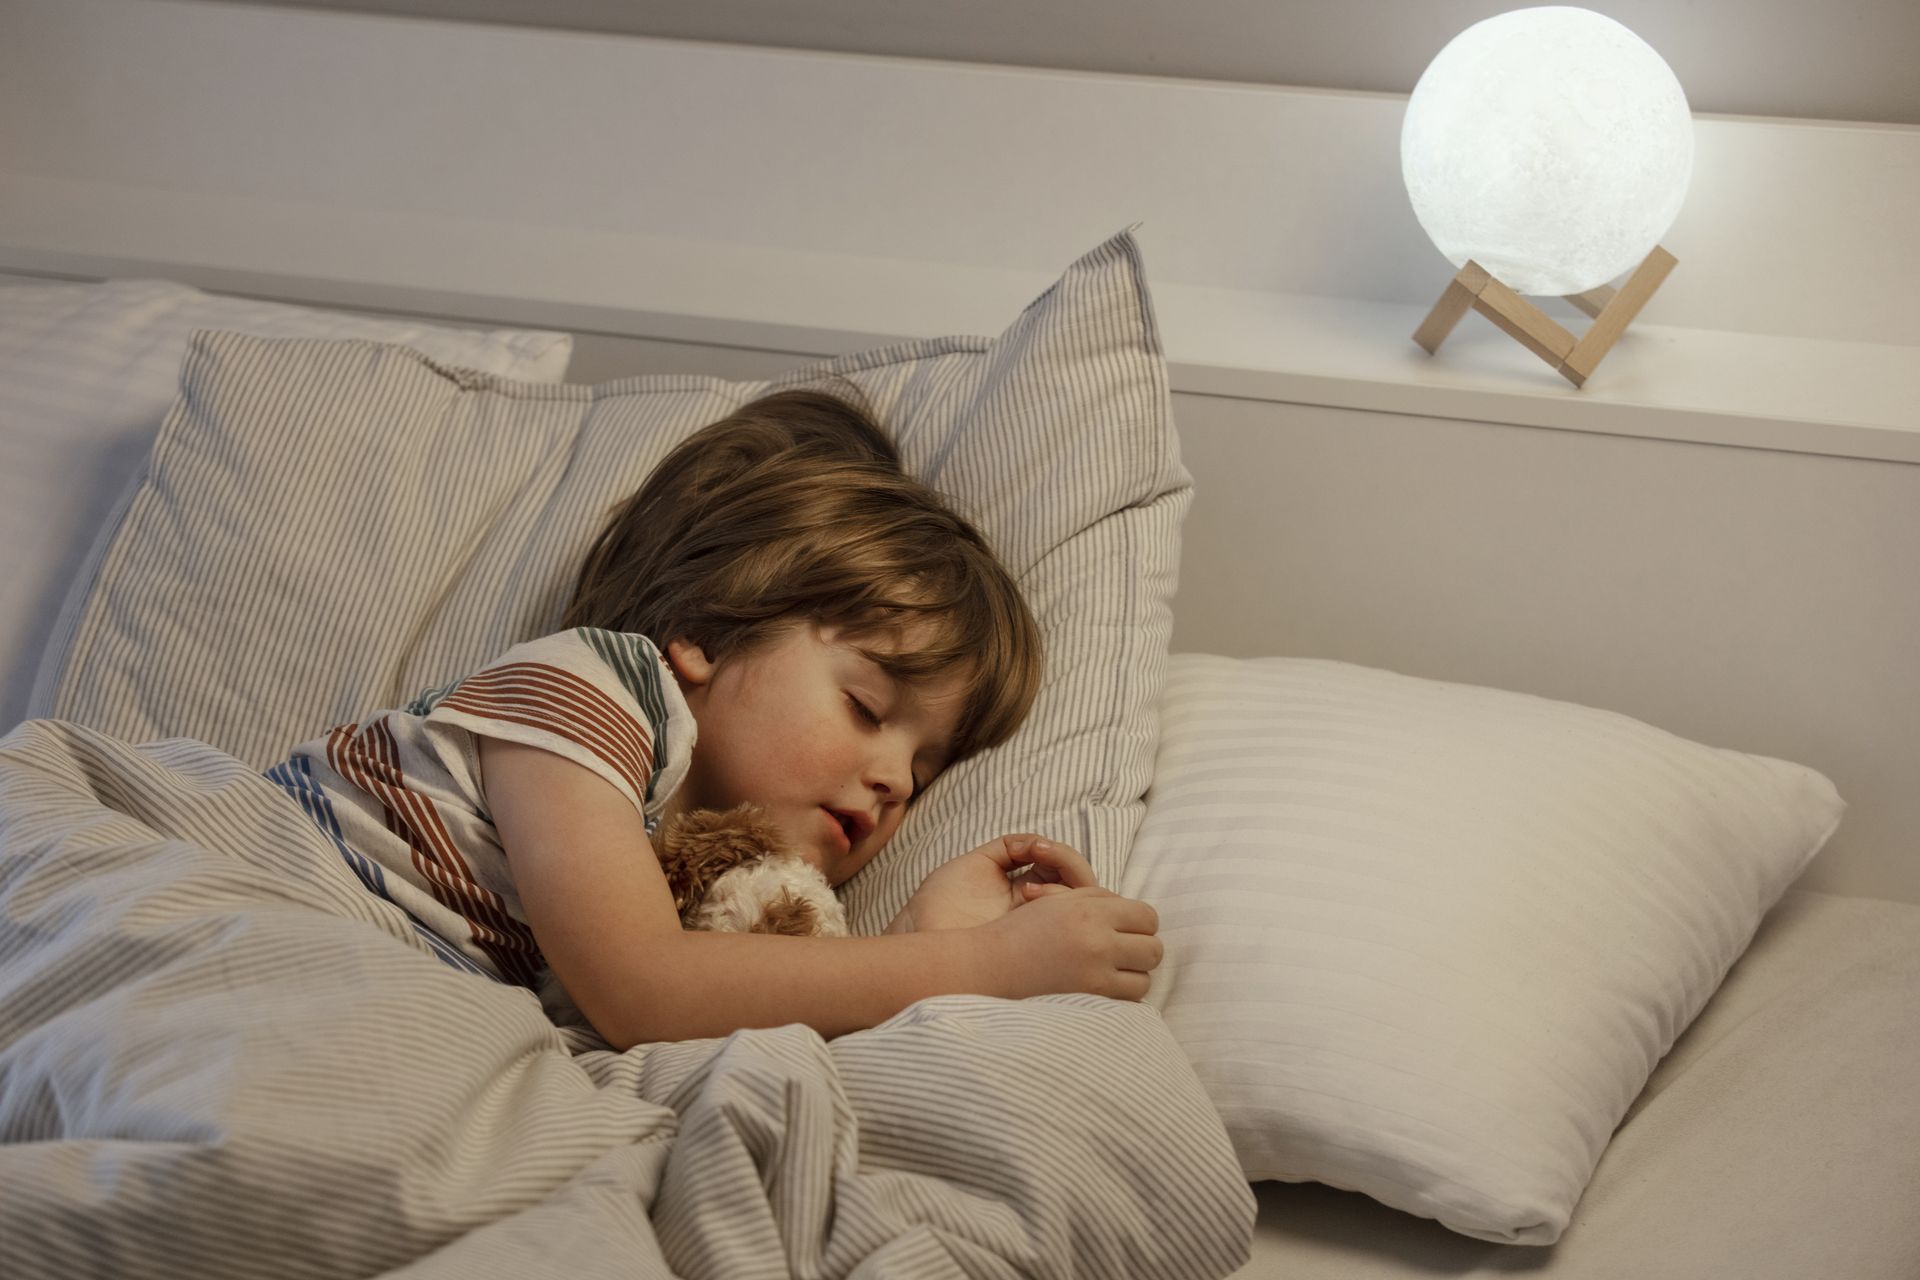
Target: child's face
pixel 818 735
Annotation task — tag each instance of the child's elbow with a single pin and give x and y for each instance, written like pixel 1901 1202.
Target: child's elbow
pixel 639 1004
pixel 621 1043
pixel 617 1012
pixel 622 1029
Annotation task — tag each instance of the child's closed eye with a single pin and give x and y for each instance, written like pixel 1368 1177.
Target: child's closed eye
pixel 872 718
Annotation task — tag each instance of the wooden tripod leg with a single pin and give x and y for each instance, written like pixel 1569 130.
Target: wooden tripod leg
pixel 1458 299
pixel 1525 323
pixel 1593 301
pixel 1616 315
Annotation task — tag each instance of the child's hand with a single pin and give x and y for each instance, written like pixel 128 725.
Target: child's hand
pixel 977 887
pixel 1078 939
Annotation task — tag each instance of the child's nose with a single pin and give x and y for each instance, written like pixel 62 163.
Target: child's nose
pixel 890 774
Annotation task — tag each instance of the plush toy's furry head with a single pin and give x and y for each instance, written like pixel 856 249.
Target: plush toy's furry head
pixel 728 875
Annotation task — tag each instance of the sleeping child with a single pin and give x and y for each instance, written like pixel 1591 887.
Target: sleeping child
pixel 780 616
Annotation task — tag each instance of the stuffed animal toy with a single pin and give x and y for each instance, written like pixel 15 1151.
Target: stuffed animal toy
pixel 728 875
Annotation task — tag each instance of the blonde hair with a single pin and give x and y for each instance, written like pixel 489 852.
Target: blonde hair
pixel 796 508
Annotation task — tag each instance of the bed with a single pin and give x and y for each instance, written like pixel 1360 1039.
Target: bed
pixel 1538 898
pixel 1298 819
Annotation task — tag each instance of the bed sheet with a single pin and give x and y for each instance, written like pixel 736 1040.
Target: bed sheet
pixel 220 1056
pixel 1778 1140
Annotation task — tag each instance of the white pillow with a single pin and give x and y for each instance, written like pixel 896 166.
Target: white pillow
pixel 87 372
pixel 328 528
pixel 1427 941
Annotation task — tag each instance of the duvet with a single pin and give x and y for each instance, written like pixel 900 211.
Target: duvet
pixel 220 1056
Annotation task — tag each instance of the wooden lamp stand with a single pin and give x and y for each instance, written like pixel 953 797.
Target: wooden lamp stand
pixel 1533 328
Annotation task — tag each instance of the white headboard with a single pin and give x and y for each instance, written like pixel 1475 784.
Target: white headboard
pixel 1717 535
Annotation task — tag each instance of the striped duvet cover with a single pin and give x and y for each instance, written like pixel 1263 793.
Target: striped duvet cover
pixel 219 1056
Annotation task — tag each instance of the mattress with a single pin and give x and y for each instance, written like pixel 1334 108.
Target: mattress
pixel 1780 1138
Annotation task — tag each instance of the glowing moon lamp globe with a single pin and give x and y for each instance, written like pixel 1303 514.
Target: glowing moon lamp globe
pixel 1549 149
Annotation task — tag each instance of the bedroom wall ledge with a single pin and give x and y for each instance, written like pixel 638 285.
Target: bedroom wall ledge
pixel 1807 395
pixel 331 157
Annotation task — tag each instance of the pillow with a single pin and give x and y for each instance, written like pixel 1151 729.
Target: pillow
pixel 87 372
pixel 1427 941
pixel 328 528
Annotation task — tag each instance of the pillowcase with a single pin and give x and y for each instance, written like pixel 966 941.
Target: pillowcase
pixel 87 371
pixel 1427 941
pixel 328 528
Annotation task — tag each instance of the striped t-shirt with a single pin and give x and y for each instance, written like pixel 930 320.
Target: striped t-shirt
pixel 401 793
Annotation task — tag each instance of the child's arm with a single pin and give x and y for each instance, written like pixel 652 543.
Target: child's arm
pixel 599 906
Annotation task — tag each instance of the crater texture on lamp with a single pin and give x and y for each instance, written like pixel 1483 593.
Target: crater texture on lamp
pixel 1552 146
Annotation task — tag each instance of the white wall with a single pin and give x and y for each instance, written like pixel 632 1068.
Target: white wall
pixel 1837 60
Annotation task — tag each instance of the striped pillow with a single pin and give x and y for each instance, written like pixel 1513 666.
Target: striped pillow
pixel 1427 941
pixel 328 528
pixel 86 374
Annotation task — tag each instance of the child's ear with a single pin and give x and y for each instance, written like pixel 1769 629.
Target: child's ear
pixel 689 661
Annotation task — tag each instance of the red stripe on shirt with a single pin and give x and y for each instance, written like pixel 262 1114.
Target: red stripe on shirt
pixel 539 696
pixel 368 757
pixel 506 941
pixel 590 711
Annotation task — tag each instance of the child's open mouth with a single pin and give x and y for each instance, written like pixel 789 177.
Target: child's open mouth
pixel 845 824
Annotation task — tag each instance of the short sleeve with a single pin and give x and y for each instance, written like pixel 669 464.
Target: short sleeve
pixel 602 699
